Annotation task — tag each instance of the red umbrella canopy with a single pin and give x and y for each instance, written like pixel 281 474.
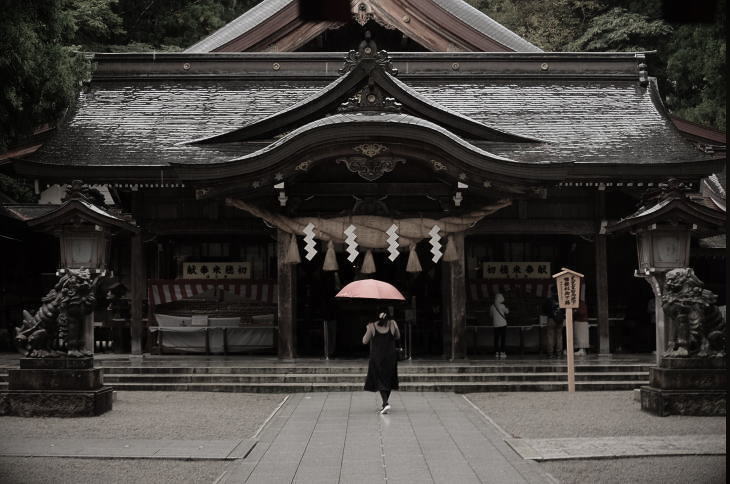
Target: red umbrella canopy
pixel 370 289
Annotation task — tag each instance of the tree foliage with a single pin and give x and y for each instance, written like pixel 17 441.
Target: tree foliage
pixel 690 58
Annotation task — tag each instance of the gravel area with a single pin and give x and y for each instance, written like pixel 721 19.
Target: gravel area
pixel 45 470
pixel 536 415
pixel 158 415
pixel 139 415
pixel 604 414
pixel 703 469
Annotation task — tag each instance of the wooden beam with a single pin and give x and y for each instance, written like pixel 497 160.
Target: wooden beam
pixel 533 226
pixel 399 189
pixel 286 299
pixel 138 288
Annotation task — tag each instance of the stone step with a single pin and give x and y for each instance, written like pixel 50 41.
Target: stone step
pixel 445 386
pixel 359 377
pixel 420 369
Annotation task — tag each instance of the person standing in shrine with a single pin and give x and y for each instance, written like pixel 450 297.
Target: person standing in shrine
pixel 555 321
pixel 383 365
pixel 499 312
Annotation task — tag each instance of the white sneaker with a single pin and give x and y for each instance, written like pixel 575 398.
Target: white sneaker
pixel 385 410
pixel 497 355
pixel 580 352
pixel 504 355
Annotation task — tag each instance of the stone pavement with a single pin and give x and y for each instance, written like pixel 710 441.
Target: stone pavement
pixel 610 447
pixel 340 437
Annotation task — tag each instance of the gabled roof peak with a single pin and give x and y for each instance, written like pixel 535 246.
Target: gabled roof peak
pixel 436 25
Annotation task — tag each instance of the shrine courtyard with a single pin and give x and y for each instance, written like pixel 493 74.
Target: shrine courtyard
pixel 504 437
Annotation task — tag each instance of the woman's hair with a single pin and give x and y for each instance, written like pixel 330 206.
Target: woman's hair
pixel 383 316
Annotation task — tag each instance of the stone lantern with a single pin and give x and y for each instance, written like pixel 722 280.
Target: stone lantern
pixel 689 378
pixel 57 375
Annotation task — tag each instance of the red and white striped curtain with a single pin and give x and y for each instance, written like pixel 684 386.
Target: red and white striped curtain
pixel 166 291
pixel 485 289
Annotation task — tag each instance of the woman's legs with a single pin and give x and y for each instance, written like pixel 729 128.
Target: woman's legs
pixel 385 395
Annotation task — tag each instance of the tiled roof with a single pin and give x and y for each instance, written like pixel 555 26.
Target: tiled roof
pixel 145 123
pixel 26 212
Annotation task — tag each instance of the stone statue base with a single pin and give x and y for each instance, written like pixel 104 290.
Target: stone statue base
pixel 686 386
pixel 55 387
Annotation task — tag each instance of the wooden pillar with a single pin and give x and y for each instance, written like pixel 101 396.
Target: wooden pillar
pixel 139 286
pixel 454 304
pixel 286 299
pixel 601 258
pixel 602 295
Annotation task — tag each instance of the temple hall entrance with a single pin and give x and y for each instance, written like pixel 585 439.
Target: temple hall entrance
pixel 318 310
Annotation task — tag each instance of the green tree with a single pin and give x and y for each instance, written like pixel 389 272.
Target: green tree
pixel 621 30
pixel 39 61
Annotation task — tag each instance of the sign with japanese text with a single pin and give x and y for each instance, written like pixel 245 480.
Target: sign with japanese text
pixel 568 284
pixel 216 270
pixel 516 270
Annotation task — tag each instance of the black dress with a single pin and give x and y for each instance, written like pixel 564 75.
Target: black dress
pixel 383 365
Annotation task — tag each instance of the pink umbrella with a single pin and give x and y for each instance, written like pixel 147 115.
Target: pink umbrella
pixel 370 289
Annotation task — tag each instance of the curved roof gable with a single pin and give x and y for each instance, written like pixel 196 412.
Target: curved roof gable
pixel 370 78
pixel 437 25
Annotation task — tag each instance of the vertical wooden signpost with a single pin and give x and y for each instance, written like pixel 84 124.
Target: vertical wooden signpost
pixel 568 283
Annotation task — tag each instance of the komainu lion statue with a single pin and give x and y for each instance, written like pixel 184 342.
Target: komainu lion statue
pixel 58 324
pixel 697 325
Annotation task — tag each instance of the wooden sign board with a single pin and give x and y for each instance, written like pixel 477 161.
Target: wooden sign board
pixel 216 270
pixel 516 270
pixel 568 283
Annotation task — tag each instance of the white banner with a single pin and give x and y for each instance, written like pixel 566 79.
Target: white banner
pixel 216 270
pixel 516 270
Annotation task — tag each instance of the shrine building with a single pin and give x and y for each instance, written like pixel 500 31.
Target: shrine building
pixel 265 167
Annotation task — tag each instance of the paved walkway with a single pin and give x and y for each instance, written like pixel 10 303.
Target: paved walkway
pixel 341 438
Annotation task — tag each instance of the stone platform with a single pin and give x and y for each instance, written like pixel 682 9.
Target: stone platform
pixel 686 386
pixel 55 387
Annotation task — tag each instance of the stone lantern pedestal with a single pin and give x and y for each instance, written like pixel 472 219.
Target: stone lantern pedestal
pixel 56 387
pixel 686 386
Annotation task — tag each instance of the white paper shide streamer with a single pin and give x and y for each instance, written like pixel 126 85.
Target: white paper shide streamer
pixel 392 242
pixel 351 244
pixel 435 244
pixel 310 245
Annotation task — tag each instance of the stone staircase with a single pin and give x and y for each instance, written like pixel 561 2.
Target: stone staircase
pixel 249 376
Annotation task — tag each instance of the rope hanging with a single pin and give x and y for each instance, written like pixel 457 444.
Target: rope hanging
pixel 368 264
pixel 330 258
pixel 413 265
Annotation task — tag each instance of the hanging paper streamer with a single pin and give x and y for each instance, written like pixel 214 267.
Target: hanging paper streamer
pixel 368 264
pixel 310 245
pixel 435 244
pixel 330 259
pixel 392 242
pixel 413 265
pixel 351 244
pixel 450 254
pixel 292 255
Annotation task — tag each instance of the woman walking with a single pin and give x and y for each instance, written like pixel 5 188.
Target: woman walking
pixel 383 366
pixel 499 319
